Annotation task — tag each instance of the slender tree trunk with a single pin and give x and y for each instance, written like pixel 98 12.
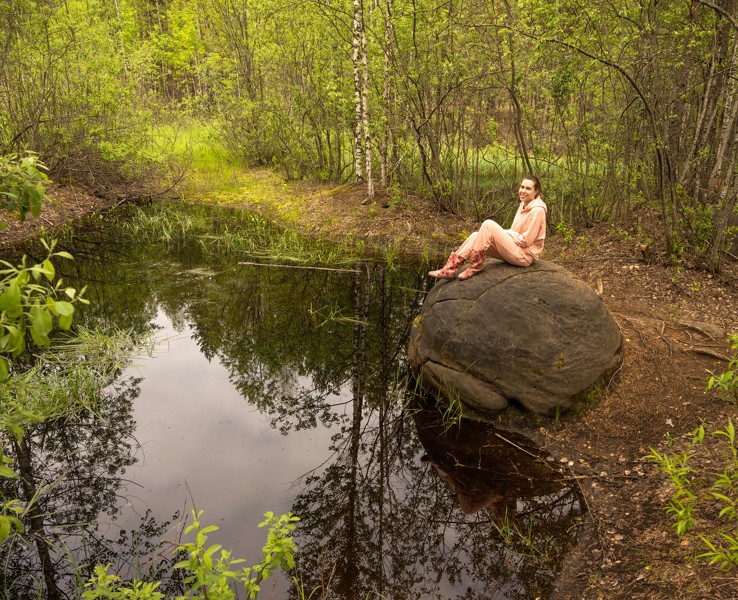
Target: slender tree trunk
pixel 723 175
pixel 512 90
pixel 35 517
pixel 386 90
pixel 234 23
pixel 121 49
pixel 384 385
pixel 726 134
pixel 362 294
pixel 358 95
pixel 365 113
pixel 687 173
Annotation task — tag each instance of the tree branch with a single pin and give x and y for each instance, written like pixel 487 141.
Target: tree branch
pixel 723 13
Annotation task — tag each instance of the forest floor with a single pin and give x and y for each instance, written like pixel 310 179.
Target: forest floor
pixel 674 318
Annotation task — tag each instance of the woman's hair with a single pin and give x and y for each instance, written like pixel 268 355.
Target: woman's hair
pixel 536 182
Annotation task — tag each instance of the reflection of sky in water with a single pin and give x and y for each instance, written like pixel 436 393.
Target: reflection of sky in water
pixel 196 430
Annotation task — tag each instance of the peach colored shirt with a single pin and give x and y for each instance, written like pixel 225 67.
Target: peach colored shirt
pixel 529 227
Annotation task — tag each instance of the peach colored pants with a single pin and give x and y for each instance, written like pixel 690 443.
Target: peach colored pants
pixel 496 242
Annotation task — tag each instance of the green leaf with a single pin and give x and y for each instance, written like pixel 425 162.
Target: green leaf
pixel 37 201
pixel 63 254
pixel 40 340
pixel 722 497
pixel 65 322
pixel 4 527
pixel 49 270
pixel 10 299
pixel 6 471
pixel 728 510
pixel 17 431
pixel 209 528
pixel 41 321
pixel 3 369
pixel 64 309
pixel 18 341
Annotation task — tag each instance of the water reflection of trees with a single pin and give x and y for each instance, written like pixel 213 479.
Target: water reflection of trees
pixel 286 336
pixel 401 509
pixel 389 514
pixel 79 464
pixel 381 518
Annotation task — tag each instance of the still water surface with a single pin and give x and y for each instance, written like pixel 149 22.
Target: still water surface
pixel 281 390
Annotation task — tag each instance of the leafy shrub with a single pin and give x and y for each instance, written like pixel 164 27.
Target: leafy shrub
pixel 22 184
pixel 31 304
pixel 210 572
pixel 727 383
pixel 696 493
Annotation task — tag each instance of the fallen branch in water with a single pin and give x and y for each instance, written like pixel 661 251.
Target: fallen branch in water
pixel 255 264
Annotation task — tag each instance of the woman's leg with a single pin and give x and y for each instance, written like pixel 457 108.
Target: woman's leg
pixel 448 271
pixel 491 241
pixel 496 242
pixel 469 244
pixel 456 260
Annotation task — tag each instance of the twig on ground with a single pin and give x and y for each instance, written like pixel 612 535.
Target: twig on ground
pixel 631 321
pixel 661 329
pixel 504 439
pixel 255 264
pixel 707 352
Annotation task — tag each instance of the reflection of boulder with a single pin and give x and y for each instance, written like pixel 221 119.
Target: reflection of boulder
pixel 488 469
pixel 536 335
pixel 474 492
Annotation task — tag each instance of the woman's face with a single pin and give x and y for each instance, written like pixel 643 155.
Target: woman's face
pixel 527 191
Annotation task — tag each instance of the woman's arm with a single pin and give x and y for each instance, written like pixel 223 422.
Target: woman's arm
pixel 531 228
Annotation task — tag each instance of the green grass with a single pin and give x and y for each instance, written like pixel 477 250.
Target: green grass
pixel 213 176
pixel 68 377
pixel 219 231
pixel 194 146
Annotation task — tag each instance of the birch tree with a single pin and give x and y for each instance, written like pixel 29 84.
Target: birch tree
pixel 362 135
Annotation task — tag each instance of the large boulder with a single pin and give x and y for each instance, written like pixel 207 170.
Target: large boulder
pixel 536 335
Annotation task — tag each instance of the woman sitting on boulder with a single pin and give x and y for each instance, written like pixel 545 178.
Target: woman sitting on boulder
pixel 520 245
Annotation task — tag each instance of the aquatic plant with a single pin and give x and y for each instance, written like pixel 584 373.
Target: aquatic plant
pixel 452 409
pixel 523 539
pixel 64 380
pixel 29 310
pixel 221 231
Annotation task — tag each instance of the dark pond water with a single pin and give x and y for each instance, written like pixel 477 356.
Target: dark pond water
pixel 274 389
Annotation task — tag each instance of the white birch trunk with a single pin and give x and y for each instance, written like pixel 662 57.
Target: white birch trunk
pixel 365 113
pixel 358 97
pixel 384 150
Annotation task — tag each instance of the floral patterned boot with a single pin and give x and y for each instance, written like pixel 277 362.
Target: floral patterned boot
pixel 476 264
pixel 448 271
